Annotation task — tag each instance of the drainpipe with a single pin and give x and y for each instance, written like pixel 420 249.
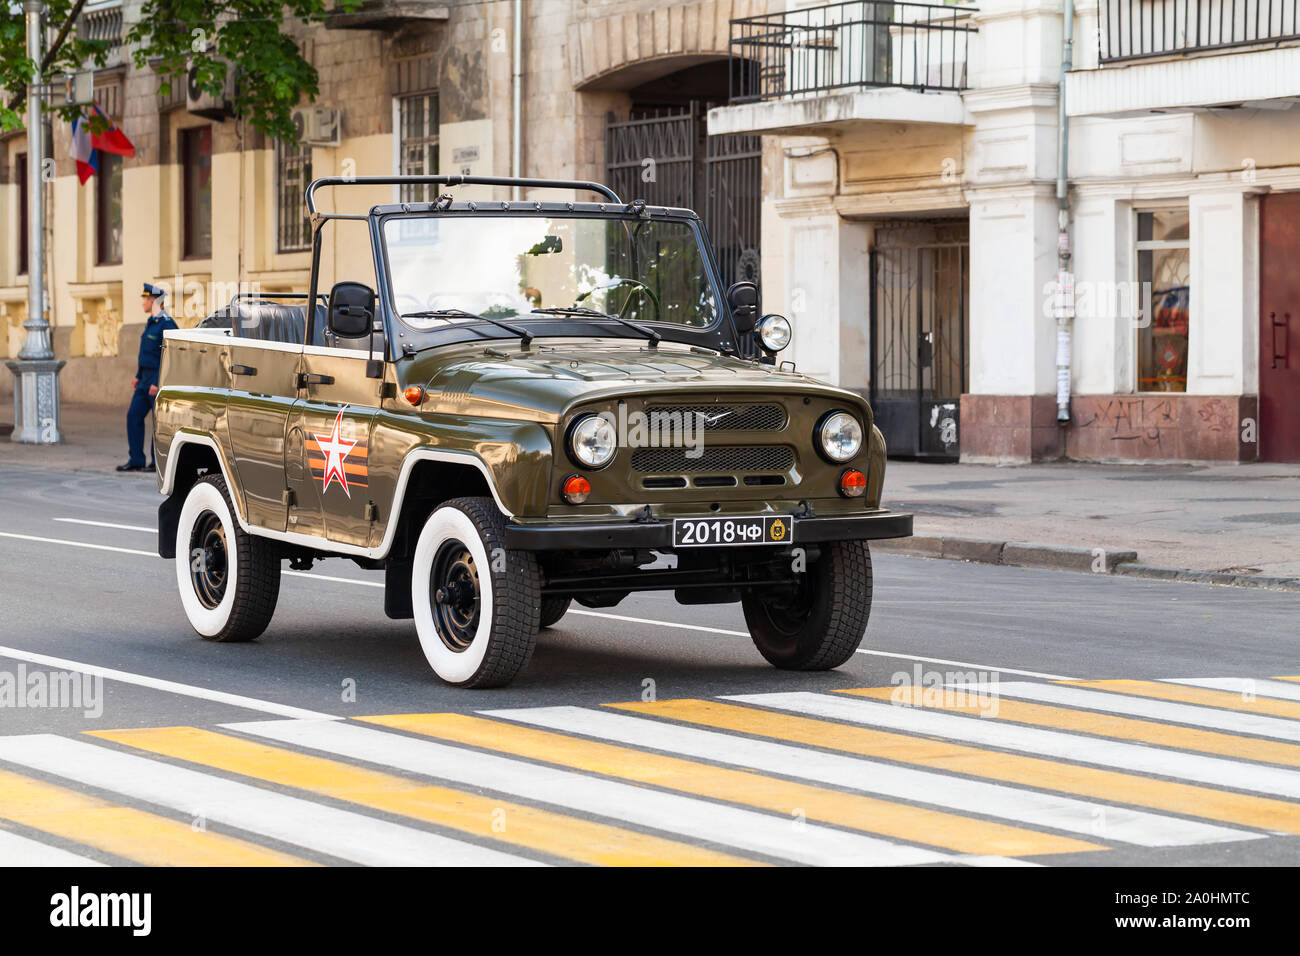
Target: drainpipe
pixel 1064 277
pixel 517 96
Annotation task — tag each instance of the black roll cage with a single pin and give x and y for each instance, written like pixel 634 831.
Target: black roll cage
pixel 377 214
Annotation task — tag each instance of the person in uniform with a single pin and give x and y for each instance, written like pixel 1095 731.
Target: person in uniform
pixel 145 384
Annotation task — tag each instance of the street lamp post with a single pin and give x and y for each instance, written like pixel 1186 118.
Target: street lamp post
pixel 36 372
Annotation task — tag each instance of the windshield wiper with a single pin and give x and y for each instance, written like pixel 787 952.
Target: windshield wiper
pixel 651 334
pixel 524 335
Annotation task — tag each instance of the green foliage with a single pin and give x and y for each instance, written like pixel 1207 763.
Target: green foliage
pixel 175 36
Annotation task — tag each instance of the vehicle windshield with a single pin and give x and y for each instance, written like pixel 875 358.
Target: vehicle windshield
pixel 508 267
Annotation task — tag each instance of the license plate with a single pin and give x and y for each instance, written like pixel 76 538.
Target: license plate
pixel 721 532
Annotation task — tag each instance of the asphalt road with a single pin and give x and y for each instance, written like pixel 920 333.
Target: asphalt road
pixel 1110 774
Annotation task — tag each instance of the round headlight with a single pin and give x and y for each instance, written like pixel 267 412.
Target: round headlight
pixel 841 436
pixel 774 332
pixel 593 441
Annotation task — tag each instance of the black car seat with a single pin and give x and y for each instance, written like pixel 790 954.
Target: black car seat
pixel 269 321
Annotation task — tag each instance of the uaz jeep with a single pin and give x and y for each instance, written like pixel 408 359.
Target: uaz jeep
pixel 536 403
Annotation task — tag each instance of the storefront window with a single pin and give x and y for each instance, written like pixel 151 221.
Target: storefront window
pixel 1164 268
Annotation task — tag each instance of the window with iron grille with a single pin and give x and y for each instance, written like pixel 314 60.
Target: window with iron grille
pixel 292 174
pixel 418 143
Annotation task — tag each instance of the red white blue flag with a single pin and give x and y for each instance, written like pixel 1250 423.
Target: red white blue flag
pixel 89 136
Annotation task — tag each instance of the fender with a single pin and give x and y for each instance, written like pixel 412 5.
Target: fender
pixel 182 438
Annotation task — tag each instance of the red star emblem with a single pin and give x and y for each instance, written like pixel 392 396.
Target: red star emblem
pixel 335 448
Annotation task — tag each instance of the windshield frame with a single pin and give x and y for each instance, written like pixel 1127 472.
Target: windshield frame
pixel 719 336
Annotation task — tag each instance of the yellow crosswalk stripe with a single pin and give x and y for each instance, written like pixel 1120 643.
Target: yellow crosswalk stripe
pixel 1109 785
pixel 500 820
pixel 870 814
pixel 1103 725
pixel 1195 695
pixel 125 832
pixel 1296 678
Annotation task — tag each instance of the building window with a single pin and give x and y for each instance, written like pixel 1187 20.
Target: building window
pixel 108 210
pixel 418 143
pixel 196 176
pixel 1164 268
pixel 292 173
pixel 21 179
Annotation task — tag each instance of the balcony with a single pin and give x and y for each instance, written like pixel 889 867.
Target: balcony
pixel 1141 29
pixel 386 14
pixel 103 21
pixel 805 69
pixel 1160 56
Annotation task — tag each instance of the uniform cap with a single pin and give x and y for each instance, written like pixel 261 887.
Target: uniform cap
pixel 153 290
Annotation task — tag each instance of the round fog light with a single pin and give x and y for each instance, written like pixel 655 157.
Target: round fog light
pixel 774 332
pixel 576 489
pixel 853 483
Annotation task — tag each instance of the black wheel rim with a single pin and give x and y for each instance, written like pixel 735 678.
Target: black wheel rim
pixel 455 595
pixel 209 559
pixel 789 608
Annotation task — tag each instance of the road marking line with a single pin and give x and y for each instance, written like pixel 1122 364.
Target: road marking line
pixel 1241 685
pixel 945 755
pixel 861 650
pixel 672 813
pixel 338 833
pixel 171 687
pixel 109 524
pixel 125 831
pixel 872 776
pixel 1067 695
pixel 1076 748
pixel 614 617
pixel 899 821
pixel 1206 696
pixel 479 816
pixel 18 850
pixel 1297 679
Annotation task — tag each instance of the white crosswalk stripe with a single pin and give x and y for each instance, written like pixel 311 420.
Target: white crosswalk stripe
pixel 1168 711
pixel 1241 685
pixel 16 850
pixel 338 833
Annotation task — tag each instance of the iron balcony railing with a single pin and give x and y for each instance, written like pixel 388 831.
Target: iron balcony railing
pixel 1133 29
pixel 917 46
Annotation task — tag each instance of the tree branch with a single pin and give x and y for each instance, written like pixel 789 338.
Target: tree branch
pixel 50 54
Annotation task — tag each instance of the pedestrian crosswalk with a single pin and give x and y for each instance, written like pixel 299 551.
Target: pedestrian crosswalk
pixel 1001 773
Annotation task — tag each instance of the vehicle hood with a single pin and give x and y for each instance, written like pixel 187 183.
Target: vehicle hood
pixel 550 378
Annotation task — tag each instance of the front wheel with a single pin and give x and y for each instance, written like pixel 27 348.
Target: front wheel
pixel 229 580
pixel 477 606
pixel 817 622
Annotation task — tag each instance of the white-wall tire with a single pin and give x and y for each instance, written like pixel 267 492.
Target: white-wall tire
pixel 229 590
pixel 476 605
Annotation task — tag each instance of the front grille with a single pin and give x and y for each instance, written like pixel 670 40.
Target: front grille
pixel 729 418
pixel 770 458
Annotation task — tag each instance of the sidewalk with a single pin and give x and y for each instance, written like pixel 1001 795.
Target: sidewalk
pixel 1240 519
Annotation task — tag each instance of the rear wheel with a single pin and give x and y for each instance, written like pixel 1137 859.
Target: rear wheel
pixel 553 608
pixel 818 622
pixel 229 580
pixel 477 606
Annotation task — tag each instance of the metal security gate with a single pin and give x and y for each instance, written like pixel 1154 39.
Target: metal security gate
pixel 667 158
pixel 920 327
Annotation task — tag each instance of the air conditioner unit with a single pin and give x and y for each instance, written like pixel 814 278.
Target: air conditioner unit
pixel 318 125
pixel 201 103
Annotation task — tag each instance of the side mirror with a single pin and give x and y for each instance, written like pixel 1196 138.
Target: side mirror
pixel 743 299
pixel 351 309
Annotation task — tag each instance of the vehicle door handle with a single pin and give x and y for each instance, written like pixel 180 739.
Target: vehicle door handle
pixel 242 370
pixel 1285 326
pixel 310 378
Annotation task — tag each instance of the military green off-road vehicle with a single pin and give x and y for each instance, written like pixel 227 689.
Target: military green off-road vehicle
pixel 536 403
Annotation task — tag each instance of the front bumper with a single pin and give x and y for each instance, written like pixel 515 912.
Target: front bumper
pixel 658 535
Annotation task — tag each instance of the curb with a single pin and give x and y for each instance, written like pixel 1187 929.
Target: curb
pixel 1053 557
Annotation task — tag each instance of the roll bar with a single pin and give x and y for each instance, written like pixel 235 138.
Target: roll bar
pixel 445 181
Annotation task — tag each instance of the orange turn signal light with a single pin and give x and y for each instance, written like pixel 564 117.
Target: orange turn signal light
pixel 415 394
pixel 576 489
pixel 853 483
